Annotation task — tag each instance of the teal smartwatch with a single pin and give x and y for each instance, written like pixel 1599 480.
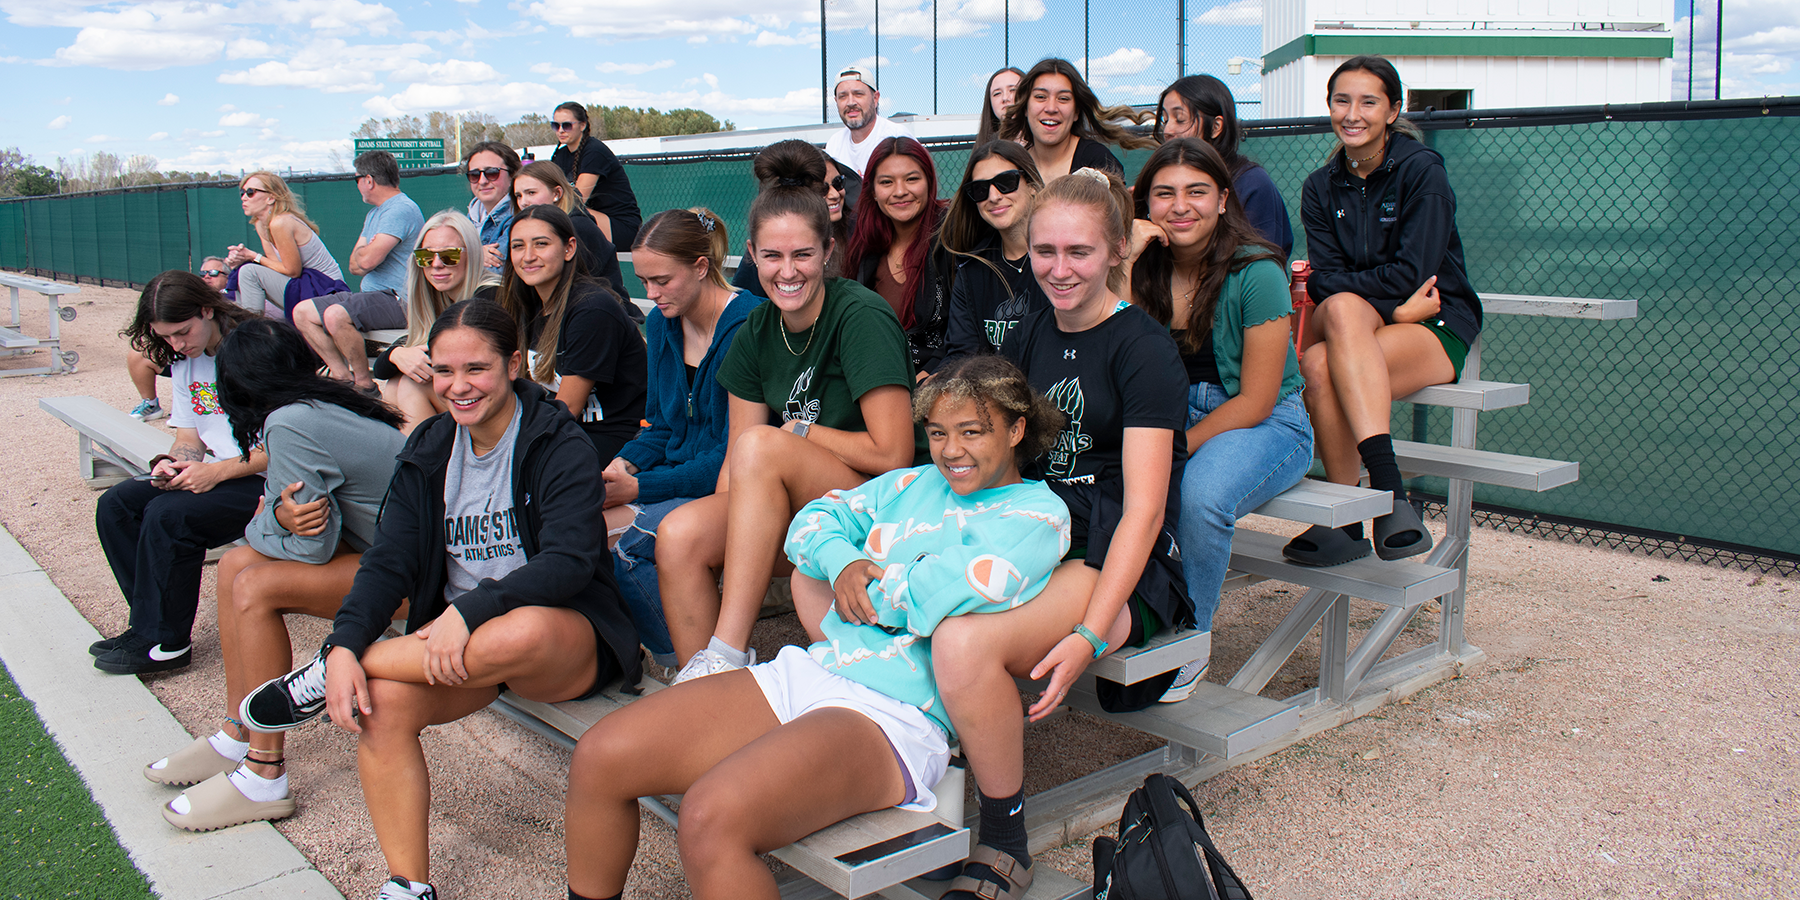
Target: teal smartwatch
pixel 1088 635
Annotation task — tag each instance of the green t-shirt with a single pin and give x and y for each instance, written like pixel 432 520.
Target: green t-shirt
pixel 1251 296
pixel 854 347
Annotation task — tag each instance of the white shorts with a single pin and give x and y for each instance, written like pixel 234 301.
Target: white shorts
pixel 795 685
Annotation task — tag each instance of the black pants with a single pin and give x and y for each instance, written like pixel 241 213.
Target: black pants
pixel 156 542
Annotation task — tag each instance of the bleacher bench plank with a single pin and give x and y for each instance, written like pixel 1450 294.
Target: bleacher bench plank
pixel 1484 466
pixel 1400 583
pixel 855 857
pixel 51 288
pixel 1473 394
pixel 1215 718
pixel 1166 651
pixel 1331 505
pixel 113 446
pixel 1558 307
pixel 12 340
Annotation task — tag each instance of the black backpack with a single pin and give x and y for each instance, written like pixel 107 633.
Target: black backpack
pixel 1163 851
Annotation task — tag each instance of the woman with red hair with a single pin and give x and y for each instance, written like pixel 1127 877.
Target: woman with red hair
pixel 894 248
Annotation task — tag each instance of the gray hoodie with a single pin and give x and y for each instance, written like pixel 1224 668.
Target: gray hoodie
pixel 331 450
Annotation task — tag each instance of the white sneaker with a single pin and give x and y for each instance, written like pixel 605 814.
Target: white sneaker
pixel 1186 680
pixel 707 662
pixel 397 888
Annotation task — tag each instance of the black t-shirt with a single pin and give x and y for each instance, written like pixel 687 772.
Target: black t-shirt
pixel 601 257
pixel 1202 367
pixel 983 307
pixel 612 194
pixel 1092 154
pixel 598 342
pixel 1123 373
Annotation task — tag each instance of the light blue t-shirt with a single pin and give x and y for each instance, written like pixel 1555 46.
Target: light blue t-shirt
pixel 400 217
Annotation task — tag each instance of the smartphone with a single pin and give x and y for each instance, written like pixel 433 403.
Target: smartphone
pixel 149 477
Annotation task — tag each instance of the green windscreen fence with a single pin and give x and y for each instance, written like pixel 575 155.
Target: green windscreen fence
pixel 1683 419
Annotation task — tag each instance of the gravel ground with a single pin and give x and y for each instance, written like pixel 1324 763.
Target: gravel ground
pixel 1633 733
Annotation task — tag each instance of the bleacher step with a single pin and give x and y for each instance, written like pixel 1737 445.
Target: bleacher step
pixel 1166 652
pixel 1476 395
pixel 1394 583
pixel 1046 884
pixel 1215 719
pixel 12 340
pixel 1323 503
pixel 1485 467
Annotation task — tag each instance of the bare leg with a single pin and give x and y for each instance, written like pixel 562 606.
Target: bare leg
pixel 254 592
pixel 690 548
pixel 312 327
pixel 976 658
pixel 143 374
pixel 349 344
pixel 1363 365
pixel 773 474
pixel 415 401
pixel 543 653
pixel 813 600
pixel 616 518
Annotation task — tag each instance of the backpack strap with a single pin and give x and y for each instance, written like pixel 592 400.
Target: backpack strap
pixel 1227 882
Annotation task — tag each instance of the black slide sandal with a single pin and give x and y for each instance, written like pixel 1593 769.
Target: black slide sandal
pixel 1402 533
pixel 1320 547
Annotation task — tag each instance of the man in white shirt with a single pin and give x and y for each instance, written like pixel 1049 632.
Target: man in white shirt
pixel 859 106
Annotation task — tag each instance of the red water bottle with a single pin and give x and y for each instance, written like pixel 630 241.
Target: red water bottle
pixel 1302 303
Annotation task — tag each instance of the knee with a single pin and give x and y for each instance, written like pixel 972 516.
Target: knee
pixel 252 588
pixel 306 311
pixel 337 318
pixel 961 654
pixel 680 534
pixel 599 758
pixel 394 722
pixel 1314 369
pixel 714 824
pixel 508 640
pixel 755 449
pixel 1345 311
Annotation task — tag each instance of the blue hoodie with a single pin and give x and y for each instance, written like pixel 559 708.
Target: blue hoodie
pixel 681 452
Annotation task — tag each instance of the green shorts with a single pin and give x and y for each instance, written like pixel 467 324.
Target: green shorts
pixel 1454 348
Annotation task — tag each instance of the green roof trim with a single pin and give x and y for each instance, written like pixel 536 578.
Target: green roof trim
pixel 1563 45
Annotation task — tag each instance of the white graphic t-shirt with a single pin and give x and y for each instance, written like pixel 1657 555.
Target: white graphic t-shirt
pixel 481 537
pixel 196 405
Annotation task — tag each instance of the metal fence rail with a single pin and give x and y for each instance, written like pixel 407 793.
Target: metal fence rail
pixel 1684 419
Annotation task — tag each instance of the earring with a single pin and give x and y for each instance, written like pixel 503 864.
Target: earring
pixel 1221 210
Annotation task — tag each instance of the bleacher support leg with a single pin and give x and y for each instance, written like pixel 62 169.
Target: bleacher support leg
pixel 1281 643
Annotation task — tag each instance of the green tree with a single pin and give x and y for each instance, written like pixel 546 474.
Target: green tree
pixel 21 177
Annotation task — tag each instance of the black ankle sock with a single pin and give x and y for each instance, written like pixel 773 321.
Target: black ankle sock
pixel 1354 531
pixel 1384 470
pixel 1003 825
pixel 575 896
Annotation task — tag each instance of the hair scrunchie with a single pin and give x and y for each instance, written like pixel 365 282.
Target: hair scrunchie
pixel 790 181
pixel 706 221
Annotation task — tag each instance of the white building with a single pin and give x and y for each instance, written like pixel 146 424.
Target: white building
pixel 1472 54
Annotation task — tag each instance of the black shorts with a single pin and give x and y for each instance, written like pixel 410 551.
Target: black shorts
pixel 1094 513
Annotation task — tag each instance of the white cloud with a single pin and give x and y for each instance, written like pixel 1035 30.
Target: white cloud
pixel 336 67
pixel 1237 12
pixel 554 74
pixel 1123 61
pixel 100 138
pixel 111 48
pixel 245 119
pixel 59 123
pixel 159 136
pixel 500 100
pixel 168 100
pixel 450 71
pixel 331 16
pixel 772 39
pixel 248 48
pixel 613 68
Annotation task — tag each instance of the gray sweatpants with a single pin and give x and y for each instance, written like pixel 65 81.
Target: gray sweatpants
pixel 262 290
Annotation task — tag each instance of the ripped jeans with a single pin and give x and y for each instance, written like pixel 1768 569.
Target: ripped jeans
pixel 634 567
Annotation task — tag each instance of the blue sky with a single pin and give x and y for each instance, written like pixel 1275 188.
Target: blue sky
pixel 238 84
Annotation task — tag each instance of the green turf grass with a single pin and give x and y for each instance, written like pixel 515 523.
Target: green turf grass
pixel 54 841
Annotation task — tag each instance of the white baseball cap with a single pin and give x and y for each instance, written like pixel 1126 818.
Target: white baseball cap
pixel 855 74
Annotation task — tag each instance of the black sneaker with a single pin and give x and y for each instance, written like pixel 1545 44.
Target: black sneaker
pixel 104 644
pixel 282 703
pixel 133 654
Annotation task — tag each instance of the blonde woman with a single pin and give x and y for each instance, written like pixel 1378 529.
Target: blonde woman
pixel 290 246
pixel 444 272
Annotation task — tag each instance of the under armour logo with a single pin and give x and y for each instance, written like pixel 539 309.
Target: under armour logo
pixel 1068 354
pixel 1340 213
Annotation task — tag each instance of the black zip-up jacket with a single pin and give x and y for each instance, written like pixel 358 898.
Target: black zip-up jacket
pixel 557 495
pixel 925 340
pixel 1380 238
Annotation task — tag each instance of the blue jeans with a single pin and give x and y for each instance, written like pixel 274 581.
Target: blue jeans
pixel 1230 476
pixel 634 566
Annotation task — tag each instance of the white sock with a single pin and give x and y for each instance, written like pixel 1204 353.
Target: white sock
pixel 228 746
pixel 258 788
pixel 736 657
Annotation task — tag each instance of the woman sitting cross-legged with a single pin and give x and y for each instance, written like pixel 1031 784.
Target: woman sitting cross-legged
pixel 489 529
pixel 819 385
pixel 680 258
pixel 331 454
pixel 448 270
pixel 768 755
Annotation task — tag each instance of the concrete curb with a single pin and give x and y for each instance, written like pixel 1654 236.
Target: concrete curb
pixel 107 725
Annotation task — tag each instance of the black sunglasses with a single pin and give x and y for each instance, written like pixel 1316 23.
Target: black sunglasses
pixel 562 126
pixel 837 184
pixel 1007 182
pixel 213 273
pixel 251 192
pixel 491 173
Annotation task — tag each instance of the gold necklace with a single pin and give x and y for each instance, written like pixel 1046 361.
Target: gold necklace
pixel 811 330
pixel 1354 162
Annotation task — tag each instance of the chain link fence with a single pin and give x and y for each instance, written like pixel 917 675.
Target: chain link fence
pixel 1683 419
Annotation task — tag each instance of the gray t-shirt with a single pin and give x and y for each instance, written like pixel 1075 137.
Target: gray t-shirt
pixel 400 217
pixel 480 535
